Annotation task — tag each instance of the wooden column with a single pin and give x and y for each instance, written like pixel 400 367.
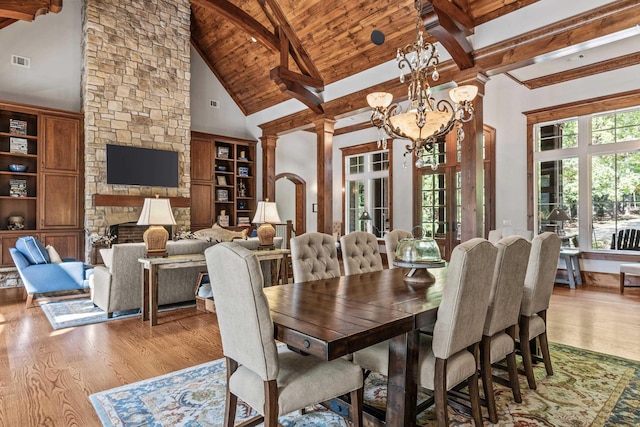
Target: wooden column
pixel 324 131
pixel 268 144
pixel 471 166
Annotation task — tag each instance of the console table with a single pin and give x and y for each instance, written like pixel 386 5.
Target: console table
pixel 151 267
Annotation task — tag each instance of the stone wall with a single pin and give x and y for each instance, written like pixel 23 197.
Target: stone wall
pixel 135 91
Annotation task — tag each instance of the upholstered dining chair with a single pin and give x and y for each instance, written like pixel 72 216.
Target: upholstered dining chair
pixel 360 253
pixel 449 357
pixel 314 256
pixel 391 240
pixel 273 381
pixel 538 286
pixel 499 335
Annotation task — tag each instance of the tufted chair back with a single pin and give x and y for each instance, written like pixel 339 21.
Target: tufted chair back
pixel 360 253
pixel 314 256
pixel 391 240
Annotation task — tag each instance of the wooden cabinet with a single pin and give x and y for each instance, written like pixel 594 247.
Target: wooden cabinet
pixel 49 194
pixel 222 180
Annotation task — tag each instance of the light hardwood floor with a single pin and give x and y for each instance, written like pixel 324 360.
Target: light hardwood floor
pixel 46 376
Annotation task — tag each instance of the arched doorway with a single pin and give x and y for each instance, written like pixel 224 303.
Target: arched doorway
pixel 299 206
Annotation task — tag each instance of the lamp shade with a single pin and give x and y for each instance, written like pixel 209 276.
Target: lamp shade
pixel 464 93
pixel 156 212
pixel 365 216
pixel 379 99
pixel 266 212
pixel 558 215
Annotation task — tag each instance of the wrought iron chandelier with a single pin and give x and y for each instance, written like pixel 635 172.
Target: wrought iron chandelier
pixel 424 120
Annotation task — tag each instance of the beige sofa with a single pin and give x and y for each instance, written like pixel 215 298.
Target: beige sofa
pixel 117 285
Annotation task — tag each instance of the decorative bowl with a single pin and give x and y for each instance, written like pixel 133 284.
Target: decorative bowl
pixel 18 168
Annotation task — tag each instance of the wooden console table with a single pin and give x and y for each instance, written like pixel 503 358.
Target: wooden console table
pixel 151 267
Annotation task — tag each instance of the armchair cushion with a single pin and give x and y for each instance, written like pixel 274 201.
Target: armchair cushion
pixel 33 250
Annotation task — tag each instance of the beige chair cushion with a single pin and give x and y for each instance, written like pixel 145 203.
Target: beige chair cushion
pixel 507 285
pixel 314 257
pixel 541 273
pixel 391 240
pixel 246 329
pixel 360 253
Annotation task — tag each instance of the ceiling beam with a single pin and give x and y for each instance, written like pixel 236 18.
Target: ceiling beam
pixel 242 20
pixel 4 22
pixel 449 25
pixel 500 57
pixel 28 10
pixel 294 89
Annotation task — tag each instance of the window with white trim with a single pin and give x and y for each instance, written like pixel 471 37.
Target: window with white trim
pixel 589 167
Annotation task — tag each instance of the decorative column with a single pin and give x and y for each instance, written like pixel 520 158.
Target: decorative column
pixel 324 131
pixel 268 143
pixel 471 166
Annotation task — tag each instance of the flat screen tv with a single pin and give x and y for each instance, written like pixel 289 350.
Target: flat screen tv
pixel 141 166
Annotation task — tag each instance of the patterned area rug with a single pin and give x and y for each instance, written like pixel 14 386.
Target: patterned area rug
pixel 587 389
pixel 70 313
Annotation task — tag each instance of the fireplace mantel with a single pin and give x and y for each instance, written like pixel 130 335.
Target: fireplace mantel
pixel 135 201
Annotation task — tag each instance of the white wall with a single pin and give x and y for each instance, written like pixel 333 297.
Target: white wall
pixel 52 42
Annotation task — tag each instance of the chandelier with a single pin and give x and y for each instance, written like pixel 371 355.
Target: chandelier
pixel 424 120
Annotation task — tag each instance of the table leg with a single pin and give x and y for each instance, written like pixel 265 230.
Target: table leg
pixel 570 273
pixel 401 386
pixel 153 295
pixel 145 294
pixel 576 268
pixel 284 269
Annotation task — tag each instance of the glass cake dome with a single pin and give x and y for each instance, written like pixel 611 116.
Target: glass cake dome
pixel 420 248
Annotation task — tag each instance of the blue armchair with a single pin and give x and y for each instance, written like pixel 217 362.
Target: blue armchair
pixel 40 275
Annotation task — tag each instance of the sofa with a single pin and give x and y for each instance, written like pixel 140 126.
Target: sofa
pixel 43 271
pixel 117 286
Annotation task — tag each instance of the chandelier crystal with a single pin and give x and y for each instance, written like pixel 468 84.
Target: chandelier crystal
pixel 424 120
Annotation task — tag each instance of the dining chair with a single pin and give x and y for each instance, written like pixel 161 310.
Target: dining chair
pixel 273 381
pixel 314 256
pixel 360 253
pixel 449 357
pixel 499 334
pixel 538 286
pixel 391 240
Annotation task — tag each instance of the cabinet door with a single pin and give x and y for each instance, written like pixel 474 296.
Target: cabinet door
pixel 67 244
pixel 201 205
pixel 60 201
pixel 9 241
pixel 201 160
pixel 61 149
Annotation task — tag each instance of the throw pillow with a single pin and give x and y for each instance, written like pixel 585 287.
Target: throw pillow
pixel 33 250
pixel 53 254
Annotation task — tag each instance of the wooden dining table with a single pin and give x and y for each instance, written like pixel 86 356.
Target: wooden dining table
pixel 332 318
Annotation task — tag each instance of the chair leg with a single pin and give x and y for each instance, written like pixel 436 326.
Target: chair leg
pixel 356 407
pixel 526 351
pixel 474 392
pixel 487 381
pixel 231 399
pixel 622 282
pixel 440 393
pixel 513 368
pixel 29 300
pixel 271 404
pixel 544 345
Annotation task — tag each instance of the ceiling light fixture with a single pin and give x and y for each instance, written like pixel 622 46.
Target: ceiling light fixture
pixel 424 120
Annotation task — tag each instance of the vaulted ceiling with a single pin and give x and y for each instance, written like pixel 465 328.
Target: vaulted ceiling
pixel 265 52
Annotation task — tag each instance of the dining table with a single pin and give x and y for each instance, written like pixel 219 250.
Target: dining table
pixel 332 318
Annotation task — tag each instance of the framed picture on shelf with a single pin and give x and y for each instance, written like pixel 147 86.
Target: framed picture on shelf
pixel 222 195
pixel 223 220
pixel 18 145
pixel 222 152
pixel 222 180
pixel 243 171
pixel 18 188
pixel 18 126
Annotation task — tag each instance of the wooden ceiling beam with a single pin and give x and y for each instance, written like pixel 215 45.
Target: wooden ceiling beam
pixel 242 20
pixel 450 25
pixel 28 10
pixel 281 72
pixel 4 22
pixel 301 93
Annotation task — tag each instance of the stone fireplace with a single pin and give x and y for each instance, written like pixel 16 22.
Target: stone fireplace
pixel 135 91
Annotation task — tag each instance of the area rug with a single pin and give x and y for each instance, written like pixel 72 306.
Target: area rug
pixel 587 389
pixel 70 313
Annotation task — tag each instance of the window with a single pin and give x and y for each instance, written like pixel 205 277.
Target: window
pixel 367 190
pixel 589 167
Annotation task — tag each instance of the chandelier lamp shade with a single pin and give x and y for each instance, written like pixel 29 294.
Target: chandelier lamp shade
pixel 156 213
pixel 266 214
pixel 424 120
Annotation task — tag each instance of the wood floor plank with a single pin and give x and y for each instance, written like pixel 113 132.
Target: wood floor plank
pixel 46 376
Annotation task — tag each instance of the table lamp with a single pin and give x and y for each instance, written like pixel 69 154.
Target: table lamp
pixel 156 213
pixel 559 215
pixel 266 214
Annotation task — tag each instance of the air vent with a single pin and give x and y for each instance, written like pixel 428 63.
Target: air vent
pixel 21 61
pixel 214 103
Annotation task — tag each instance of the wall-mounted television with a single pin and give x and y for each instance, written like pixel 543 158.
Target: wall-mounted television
pixel 141 166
